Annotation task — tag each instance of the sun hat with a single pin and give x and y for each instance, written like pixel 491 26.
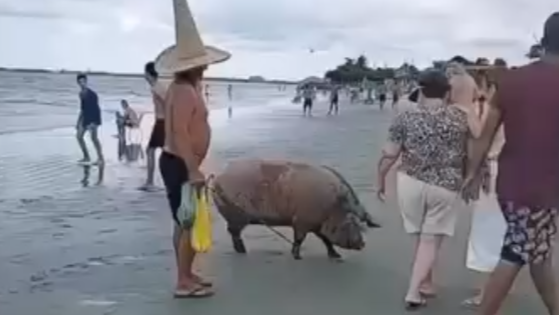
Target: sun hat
pixel 189 51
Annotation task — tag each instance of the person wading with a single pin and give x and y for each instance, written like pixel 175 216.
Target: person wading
pixel 89 120
pixel 157 138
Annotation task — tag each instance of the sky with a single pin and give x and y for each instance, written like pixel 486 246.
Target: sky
pixel 281 39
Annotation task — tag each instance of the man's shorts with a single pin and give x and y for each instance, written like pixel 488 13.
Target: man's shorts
pixel 530 233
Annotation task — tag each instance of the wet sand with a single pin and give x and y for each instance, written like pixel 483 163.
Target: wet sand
pixel 68 249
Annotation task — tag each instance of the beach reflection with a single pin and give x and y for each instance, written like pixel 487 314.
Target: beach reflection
pixel 87 175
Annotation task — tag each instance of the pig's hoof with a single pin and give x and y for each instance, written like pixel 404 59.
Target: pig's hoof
pixel 239 246
pixel 334 256
pixel 296 253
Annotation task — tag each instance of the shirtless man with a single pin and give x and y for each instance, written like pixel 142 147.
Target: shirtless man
pixel 157 138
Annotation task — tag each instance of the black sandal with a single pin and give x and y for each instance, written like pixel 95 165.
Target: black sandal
pixel 415 305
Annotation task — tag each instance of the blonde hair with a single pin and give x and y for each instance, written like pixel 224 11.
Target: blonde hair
pixel 455 68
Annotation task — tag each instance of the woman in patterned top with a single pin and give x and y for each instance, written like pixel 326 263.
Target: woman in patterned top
pixel 432 141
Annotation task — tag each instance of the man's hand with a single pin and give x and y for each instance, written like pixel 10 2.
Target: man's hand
pixel 197 179
pixel 470 188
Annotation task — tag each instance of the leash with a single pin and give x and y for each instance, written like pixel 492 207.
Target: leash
pixel 209 187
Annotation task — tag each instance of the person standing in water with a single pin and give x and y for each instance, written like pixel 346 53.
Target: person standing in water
pixel 334 100
pixel 308 98
pixel 157 139
pixel 89 120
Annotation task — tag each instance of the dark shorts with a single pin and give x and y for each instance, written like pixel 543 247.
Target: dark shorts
pixel 382 97
pixel 530 233
pixel 157 138
pixel 174 174
pixel 334 100
pixel 307 103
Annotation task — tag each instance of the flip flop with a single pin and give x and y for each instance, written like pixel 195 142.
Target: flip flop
pixel 148 188
pixel 206 284
pixel 198 292
pixel 415 305
pixel 428 295
pixel 203 282
pixel 473 302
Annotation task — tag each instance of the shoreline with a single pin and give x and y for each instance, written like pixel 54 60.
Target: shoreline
pixel 139 75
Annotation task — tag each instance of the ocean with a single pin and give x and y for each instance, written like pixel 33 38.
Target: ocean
pixel 45 101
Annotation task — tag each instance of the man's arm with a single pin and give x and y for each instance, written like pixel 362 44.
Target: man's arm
pixel 478 148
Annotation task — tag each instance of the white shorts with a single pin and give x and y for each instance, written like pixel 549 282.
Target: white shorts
pixel 426 208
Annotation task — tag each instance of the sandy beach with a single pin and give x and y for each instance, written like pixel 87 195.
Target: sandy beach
pixel 67 249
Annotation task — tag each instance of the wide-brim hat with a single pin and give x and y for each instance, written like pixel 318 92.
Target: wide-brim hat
pixel 171 61
pixel 189 51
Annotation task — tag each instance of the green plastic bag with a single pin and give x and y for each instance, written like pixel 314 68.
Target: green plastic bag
pixel 186 214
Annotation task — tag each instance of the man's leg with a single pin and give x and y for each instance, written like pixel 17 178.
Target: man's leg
pixel 80 133
pixel 150 154
pixel 93 130
pixel 521 245
pixel 498 286
pixel 543 277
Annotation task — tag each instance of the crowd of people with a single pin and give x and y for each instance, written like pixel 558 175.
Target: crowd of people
pixel 464 131
pixel 482 138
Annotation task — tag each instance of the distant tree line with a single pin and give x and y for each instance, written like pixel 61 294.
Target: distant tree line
pixel 356 70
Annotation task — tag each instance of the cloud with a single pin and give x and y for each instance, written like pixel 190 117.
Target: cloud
pixel 283 38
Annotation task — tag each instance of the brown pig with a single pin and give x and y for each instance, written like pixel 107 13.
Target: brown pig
pixel 309 198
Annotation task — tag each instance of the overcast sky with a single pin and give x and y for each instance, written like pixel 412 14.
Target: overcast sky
pixel 270 38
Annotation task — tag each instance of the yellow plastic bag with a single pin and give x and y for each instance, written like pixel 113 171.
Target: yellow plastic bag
pixel 202 228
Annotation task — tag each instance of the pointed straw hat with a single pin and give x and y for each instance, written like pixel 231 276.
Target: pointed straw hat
pixel 189 51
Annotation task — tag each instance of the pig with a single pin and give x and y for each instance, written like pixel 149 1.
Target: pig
pixel 308 198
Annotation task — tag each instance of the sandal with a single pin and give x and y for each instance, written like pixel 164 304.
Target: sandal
pixel 197 292
pixel 199 280
pixel 428 295
pixel 415 305
pixel 472 302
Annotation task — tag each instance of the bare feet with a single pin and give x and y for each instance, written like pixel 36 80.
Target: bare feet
pixel 85 161
pixel 148 187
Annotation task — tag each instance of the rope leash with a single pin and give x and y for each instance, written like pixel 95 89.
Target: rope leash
pixel 210 187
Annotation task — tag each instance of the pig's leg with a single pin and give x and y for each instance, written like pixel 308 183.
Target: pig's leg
pixel 299 236
pixel 235 232
pixel 332 253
